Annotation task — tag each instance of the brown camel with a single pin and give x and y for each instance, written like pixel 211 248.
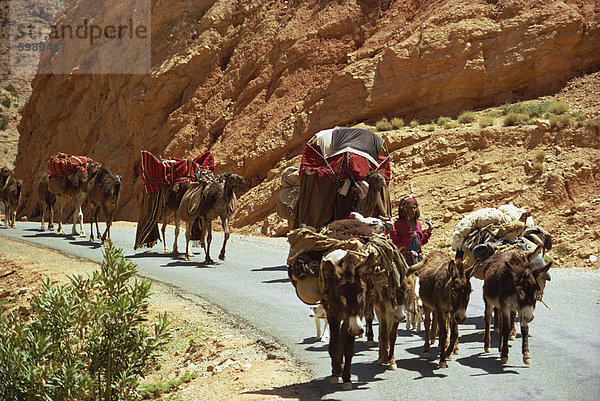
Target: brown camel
pixel 10 193
pixel 207 202
pixel 367 205
pixel 103 191
pixel 47 200
pixel 72 187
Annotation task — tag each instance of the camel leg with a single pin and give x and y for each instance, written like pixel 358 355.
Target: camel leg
pixel 51 221
pixel 208 260
pixel 96 221
pixel 92 217
pixel 176 218
pixel 109 220
pixel 78 219
pixel 43 209
pixel 225 224
pixel 60 202
pixel 162 230
pixel 188 235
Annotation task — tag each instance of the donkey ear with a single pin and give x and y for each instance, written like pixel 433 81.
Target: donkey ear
pixel 516 270
pixel 452 270
pixel 539 271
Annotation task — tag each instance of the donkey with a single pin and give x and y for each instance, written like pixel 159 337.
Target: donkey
pixel 10 193
pixel 511 285
pixel 445 289
pixel 47 200
pixel 104 189
pixel 344 303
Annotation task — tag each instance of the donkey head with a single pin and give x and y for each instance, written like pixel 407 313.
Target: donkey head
pixel 346 287
pixel 526 282
pixel 460 289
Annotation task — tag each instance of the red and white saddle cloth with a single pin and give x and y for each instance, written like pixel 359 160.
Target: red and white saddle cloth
pixel 64 164
pixel 158 174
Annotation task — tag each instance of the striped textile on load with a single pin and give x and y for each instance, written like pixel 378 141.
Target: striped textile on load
pixel 158 174
pixel 63 164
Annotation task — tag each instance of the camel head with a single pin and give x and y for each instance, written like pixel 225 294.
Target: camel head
pixel 233 180
pixel 4 173
pixel 376 180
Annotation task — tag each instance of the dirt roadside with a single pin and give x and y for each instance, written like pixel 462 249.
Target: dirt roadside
pixel 224 359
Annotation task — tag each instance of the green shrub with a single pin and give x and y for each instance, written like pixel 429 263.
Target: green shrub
pixel 540 156
pixel 84 340
pixel 486 121
pixel 561 121
pixel 383 125
pixel 450 124
pixel 593 124
pixel 443 120
pixel 563 249
pixel 11 89
pixel 397 122
pixel 414 124
pixel 6 102
pixel 539 168
pixel 430 128
pixel 467 117
pixel 512 119
pixel 3 122
pixel 557 108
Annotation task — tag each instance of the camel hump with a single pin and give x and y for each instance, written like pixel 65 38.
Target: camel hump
pixel 57 184
pixel 190 203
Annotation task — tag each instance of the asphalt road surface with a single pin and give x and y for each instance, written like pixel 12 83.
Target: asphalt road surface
pixel 252 285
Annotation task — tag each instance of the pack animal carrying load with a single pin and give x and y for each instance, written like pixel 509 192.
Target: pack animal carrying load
pixel 160 176
pixel 63 164
pixel 334 167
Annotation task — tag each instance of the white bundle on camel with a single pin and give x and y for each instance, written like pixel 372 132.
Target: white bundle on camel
pixel 484 217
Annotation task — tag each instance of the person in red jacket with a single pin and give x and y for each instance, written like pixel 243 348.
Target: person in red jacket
pixel 407 233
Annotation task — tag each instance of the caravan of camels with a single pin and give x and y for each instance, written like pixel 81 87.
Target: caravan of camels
pixel 341 255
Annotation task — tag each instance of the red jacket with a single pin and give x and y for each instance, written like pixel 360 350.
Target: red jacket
pixel 401 234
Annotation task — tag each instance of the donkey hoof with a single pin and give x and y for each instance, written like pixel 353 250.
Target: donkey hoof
pixel 371 343
pixel 527 358
pixel 347 386
pixel 443 365
pixel 504 359
pixel 334 380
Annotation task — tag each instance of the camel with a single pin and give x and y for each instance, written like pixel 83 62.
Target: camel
pixel 72 187
pixel 367 205
pixel 207 202
pixel 103 191
pixel 10 193
pixel 47 200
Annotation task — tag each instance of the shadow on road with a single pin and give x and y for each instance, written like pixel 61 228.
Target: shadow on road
pixel 282 268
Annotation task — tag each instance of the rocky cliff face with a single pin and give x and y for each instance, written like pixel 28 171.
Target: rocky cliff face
pixel 253 80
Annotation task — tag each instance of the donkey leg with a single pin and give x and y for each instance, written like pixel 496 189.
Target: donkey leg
pixel 504 333
pixel 426 346
pixel 525 341
pixel 335 348
pixel 488 321
pixel 348 352
pixel 442 320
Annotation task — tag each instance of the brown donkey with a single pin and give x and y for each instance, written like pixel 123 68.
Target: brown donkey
pixel 511 285
pixel 445 289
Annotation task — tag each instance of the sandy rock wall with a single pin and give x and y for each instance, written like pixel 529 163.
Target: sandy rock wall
pixel 252 80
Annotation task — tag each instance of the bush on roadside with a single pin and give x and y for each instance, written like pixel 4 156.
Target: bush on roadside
pixel 383 125
pixel 561 121
pixel 414 124
pixel 397 122
pixel 593 124
pixel 84 340
pixel 443 120
pixel 512 119
pixel 3 122
pixel 467 117
pixel 486 121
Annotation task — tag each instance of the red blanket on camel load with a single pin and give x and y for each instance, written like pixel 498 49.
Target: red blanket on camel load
pixel 64 164
pixel 158 174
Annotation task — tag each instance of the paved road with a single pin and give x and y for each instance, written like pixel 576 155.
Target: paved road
pixel 252 284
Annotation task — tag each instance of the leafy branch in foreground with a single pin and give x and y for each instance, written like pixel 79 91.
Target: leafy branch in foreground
pixel 86 340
